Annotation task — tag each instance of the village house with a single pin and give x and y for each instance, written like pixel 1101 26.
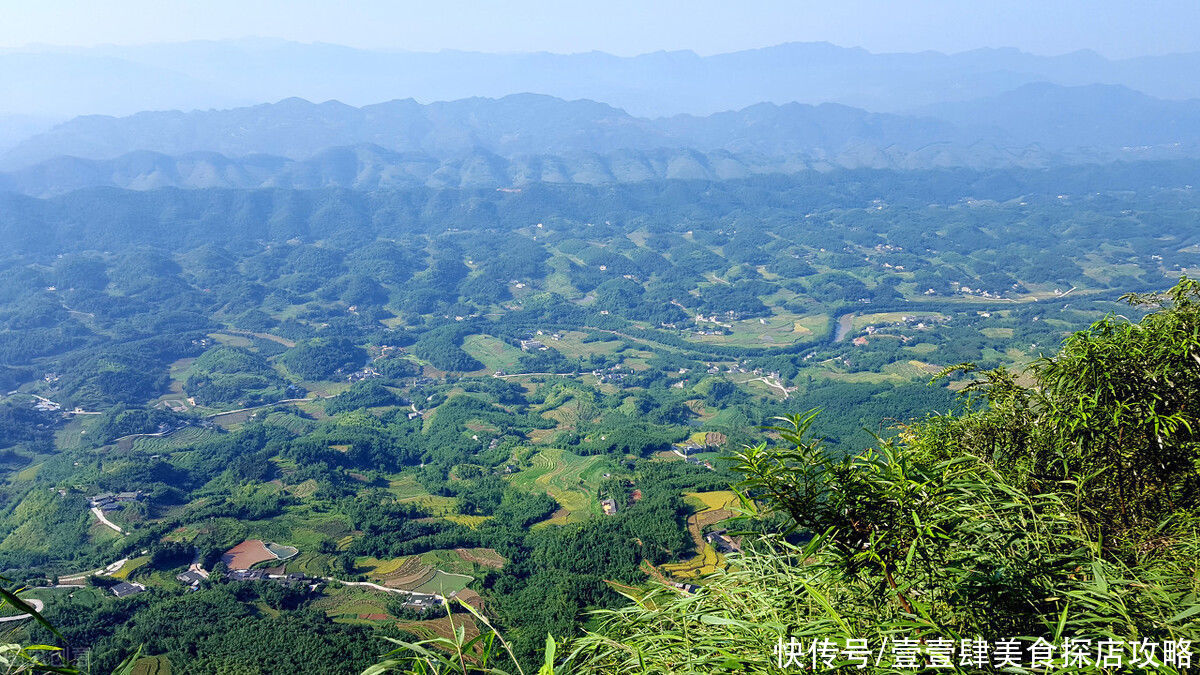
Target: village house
pixel 126 589
pixel 190 578
pixel 720 540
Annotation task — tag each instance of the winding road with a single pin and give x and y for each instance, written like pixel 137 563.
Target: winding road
pixel 33 602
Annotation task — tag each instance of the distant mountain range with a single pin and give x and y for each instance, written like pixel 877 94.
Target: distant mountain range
pixel 528 138
pixel 522 124
pixel 64 82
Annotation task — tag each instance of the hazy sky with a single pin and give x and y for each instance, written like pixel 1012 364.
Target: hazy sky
pixel 1115 28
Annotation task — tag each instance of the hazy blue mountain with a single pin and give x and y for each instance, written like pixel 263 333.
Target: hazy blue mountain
pixel 1032 125
pixel 523 124
pixel 201 75
pixel 1086 116
pixel 297 128
pixel 370 167
pixel 15 128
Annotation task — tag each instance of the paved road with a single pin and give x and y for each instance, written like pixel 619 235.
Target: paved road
pixel 100 514
pixel 107 571
pixel 34 602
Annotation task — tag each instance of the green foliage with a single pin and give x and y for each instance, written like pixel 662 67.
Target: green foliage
pixel 991 523
pixel 364 394
pixel 232 375
pixel 324 358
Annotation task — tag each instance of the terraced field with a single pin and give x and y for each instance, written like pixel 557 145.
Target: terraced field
pixel 378 568
pixel 408 574
pixel 180 439
pixel 406 489
pixel 571 480
pixel 712 508
pixel 311 564
pixel 443 627
pixel 152 665
pixel 484 557
pixel 290 421
pixel 346 604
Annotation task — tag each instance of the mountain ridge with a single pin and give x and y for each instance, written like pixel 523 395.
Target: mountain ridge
pixel 62 82
pixel 538 137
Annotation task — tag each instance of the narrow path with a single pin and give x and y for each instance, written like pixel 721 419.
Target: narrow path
pixel 265 336
pixel 265 405
pixel 377 587
pixel 33 602
pixel 100 514
pixel 775 384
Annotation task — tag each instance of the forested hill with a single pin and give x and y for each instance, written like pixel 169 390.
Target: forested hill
pixel 100 218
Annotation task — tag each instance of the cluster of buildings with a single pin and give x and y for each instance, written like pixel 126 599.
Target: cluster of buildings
pixel 610 374
pixel 291 580
pixel 533 343
pixel 113 501
pixel 364 374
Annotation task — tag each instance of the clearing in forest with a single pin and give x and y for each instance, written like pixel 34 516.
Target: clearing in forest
pixel 570 479
pixel 494 353
pixel 247 554
pixel 484 557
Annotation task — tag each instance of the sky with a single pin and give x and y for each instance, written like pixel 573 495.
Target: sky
pixel 1114 28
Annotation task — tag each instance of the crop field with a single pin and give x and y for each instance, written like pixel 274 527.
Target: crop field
pixel 781 329
pixel 290 421
pixel 311 564
pixel 467 521
pixel 375 567
pixel 706 562
pixel 152 665
pixel 131 566
pixel 492 352
pixel 443 627
pixel 447 561
pixel 572 345
pixel 29 473
pixel 409 574
pixel 444 583
pixel 348 604
pixel 996 332
pixel 711 508
pixel 232 340
pixel 705 438
pixel 922 348
pixel 183 438
pixel 568 478
pixel 706 502
pixel 484 557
